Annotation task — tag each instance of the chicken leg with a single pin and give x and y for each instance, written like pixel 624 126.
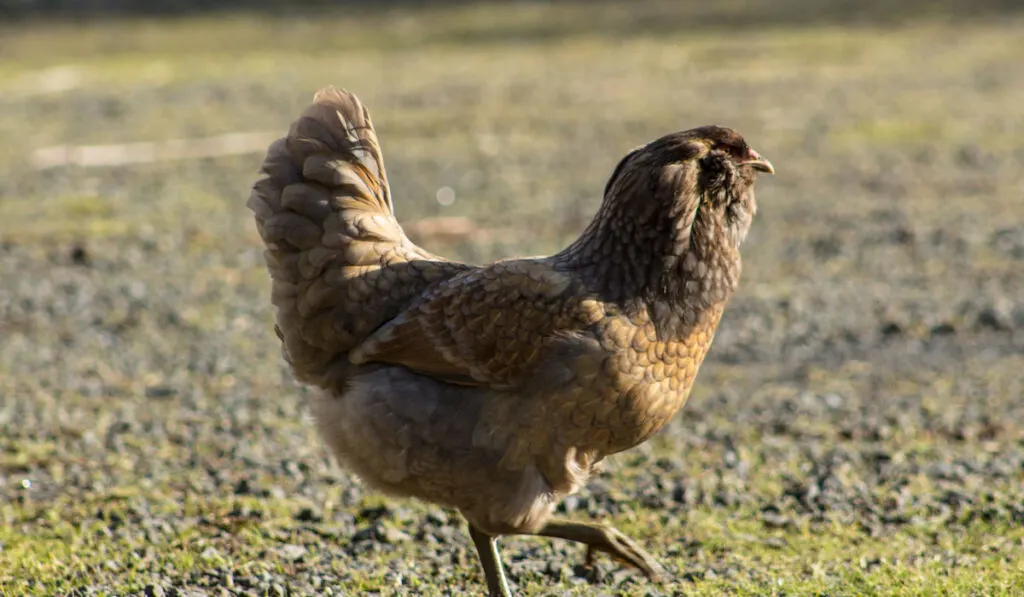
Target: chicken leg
pixel 490 559
pixel 597 537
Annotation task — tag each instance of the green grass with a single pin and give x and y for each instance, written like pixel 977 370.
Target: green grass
pixel 71 542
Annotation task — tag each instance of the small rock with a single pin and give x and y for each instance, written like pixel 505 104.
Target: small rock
pixel 775 542
pixel 275 492
pixel 394 536
pixel 833 401
pixel 437 516
pixel 776 520
pixel 330 532
pixel 292 552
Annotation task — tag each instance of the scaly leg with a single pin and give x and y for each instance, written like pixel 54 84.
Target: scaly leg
pixel 599 537
pixel 487 549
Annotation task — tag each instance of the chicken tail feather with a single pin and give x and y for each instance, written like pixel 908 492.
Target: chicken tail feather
pixel 339 261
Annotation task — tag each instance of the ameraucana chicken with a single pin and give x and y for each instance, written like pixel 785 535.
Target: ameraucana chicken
pixel 496 389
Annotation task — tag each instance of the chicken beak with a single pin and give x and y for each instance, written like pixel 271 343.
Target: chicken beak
pixel 759 163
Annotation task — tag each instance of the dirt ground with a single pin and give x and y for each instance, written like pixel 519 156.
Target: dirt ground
pixel 858 428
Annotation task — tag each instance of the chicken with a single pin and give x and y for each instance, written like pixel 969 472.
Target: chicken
pixel 496 389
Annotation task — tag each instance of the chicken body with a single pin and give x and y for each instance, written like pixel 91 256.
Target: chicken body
pixel 506 450
pixel 496 389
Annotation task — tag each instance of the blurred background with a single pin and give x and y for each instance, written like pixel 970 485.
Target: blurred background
pixel 858 427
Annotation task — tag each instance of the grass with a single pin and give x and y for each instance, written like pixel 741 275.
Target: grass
pixel 76 541
pixel 138 393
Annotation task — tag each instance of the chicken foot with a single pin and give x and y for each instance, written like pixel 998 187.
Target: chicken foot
pixel 597 537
